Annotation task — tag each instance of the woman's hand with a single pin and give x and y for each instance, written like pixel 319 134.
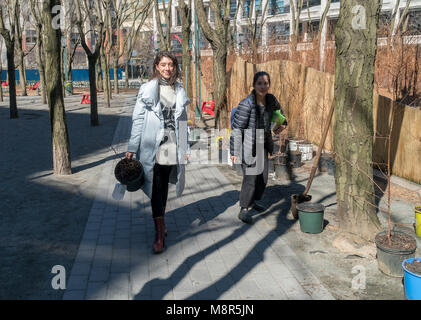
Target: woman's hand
pixel 279 129
pixel 233 159
pixel 129 155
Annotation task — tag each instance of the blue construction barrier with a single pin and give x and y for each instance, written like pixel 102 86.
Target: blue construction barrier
pixel 32 75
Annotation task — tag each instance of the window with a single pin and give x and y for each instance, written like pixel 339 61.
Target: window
pixel 246 9
pixel 311 3
pixel 233 8
pixel 31 36
pixel 176 45
pixel 258 7
pixel 277 7
pixel 75 38
pixel 211 15
pixel 278 33
pixel 414 22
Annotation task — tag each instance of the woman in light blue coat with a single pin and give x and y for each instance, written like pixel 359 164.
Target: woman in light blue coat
pixel 159 138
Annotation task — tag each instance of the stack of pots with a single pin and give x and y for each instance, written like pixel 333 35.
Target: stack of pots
pixel 306 149
pixel 301 146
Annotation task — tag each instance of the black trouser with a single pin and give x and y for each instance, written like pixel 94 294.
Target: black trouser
pixel 161 175
pixel 253 185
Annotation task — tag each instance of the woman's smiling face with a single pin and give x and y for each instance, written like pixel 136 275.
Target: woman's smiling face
pixel 166 68
pixel 262 86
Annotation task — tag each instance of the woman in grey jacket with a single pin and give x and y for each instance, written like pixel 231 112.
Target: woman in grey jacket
pixel 251 147
pixel 159 138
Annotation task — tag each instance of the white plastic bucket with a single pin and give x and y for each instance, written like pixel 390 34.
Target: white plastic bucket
pixel 294 144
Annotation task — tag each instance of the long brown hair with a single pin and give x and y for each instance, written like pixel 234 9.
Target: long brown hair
pixel 158 58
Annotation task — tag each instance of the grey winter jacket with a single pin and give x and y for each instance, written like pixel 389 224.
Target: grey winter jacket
pixel 148 131
pixel 245 117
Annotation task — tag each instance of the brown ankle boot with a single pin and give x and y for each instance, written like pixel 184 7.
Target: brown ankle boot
pixel 159 243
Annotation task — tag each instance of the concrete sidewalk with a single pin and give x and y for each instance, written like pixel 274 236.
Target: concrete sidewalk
pixel 209 253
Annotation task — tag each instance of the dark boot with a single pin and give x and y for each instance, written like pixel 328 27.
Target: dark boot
pixel 245 216
pixel 159 243
pixel 258 207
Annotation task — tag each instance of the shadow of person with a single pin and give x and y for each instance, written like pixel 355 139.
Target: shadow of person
pixel 278 200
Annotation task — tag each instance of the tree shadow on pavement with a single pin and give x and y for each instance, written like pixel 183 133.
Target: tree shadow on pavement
pixel 43 216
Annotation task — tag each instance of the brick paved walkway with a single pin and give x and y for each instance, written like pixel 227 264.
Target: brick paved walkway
pixel 209 254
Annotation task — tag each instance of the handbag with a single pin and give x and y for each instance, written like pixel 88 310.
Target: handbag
pixel 130 173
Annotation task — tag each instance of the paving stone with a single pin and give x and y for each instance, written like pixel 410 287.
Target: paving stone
pixel 318 292
pixel 293 289
pixel 248 289
pixel 160 291
pixel 200 275
pixel 77 282
pixel 230 295
pixel 81 269
pixel 279 270
pixel 74 295
pixel 96 291
pixel 182 295
pixel 99 274
pixel 118 287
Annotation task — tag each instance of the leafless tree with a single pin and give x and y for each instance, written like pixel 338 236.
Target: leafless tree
pixel 36 11
pixel 296 7
pixel 23 12
pixel 126 11
pixel 96 27
pixel 9 35
pixel 52 51
pixel 217 37
pixel 132 36
pixel 184 11
pixel 165 37
pixel 255 23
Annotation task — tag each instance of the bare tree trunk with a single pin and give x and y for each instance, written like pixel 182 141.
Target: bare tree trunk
pixel 92 89
pixel 220 76
pixel 115 66
pixel 217 37
pixel 108 73
pixel 41 68
pixel 10 52
pixel 98 24
pixel 9 39
pixel 126 70
pixel 63 80
pixel 353 127
pixel 99 76
pixel 165 38
pixel 20 51
pixel 105 82
pixel 22 74
pixel 59 135
pixel 185 14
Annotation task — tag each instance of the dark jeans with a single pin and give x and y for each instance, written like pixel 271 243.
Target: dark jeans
pixel 161 175
pixel 253 186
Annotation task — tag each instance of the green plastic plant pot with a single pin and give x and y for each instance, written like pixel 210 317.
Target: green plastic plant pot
pixel 311 216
